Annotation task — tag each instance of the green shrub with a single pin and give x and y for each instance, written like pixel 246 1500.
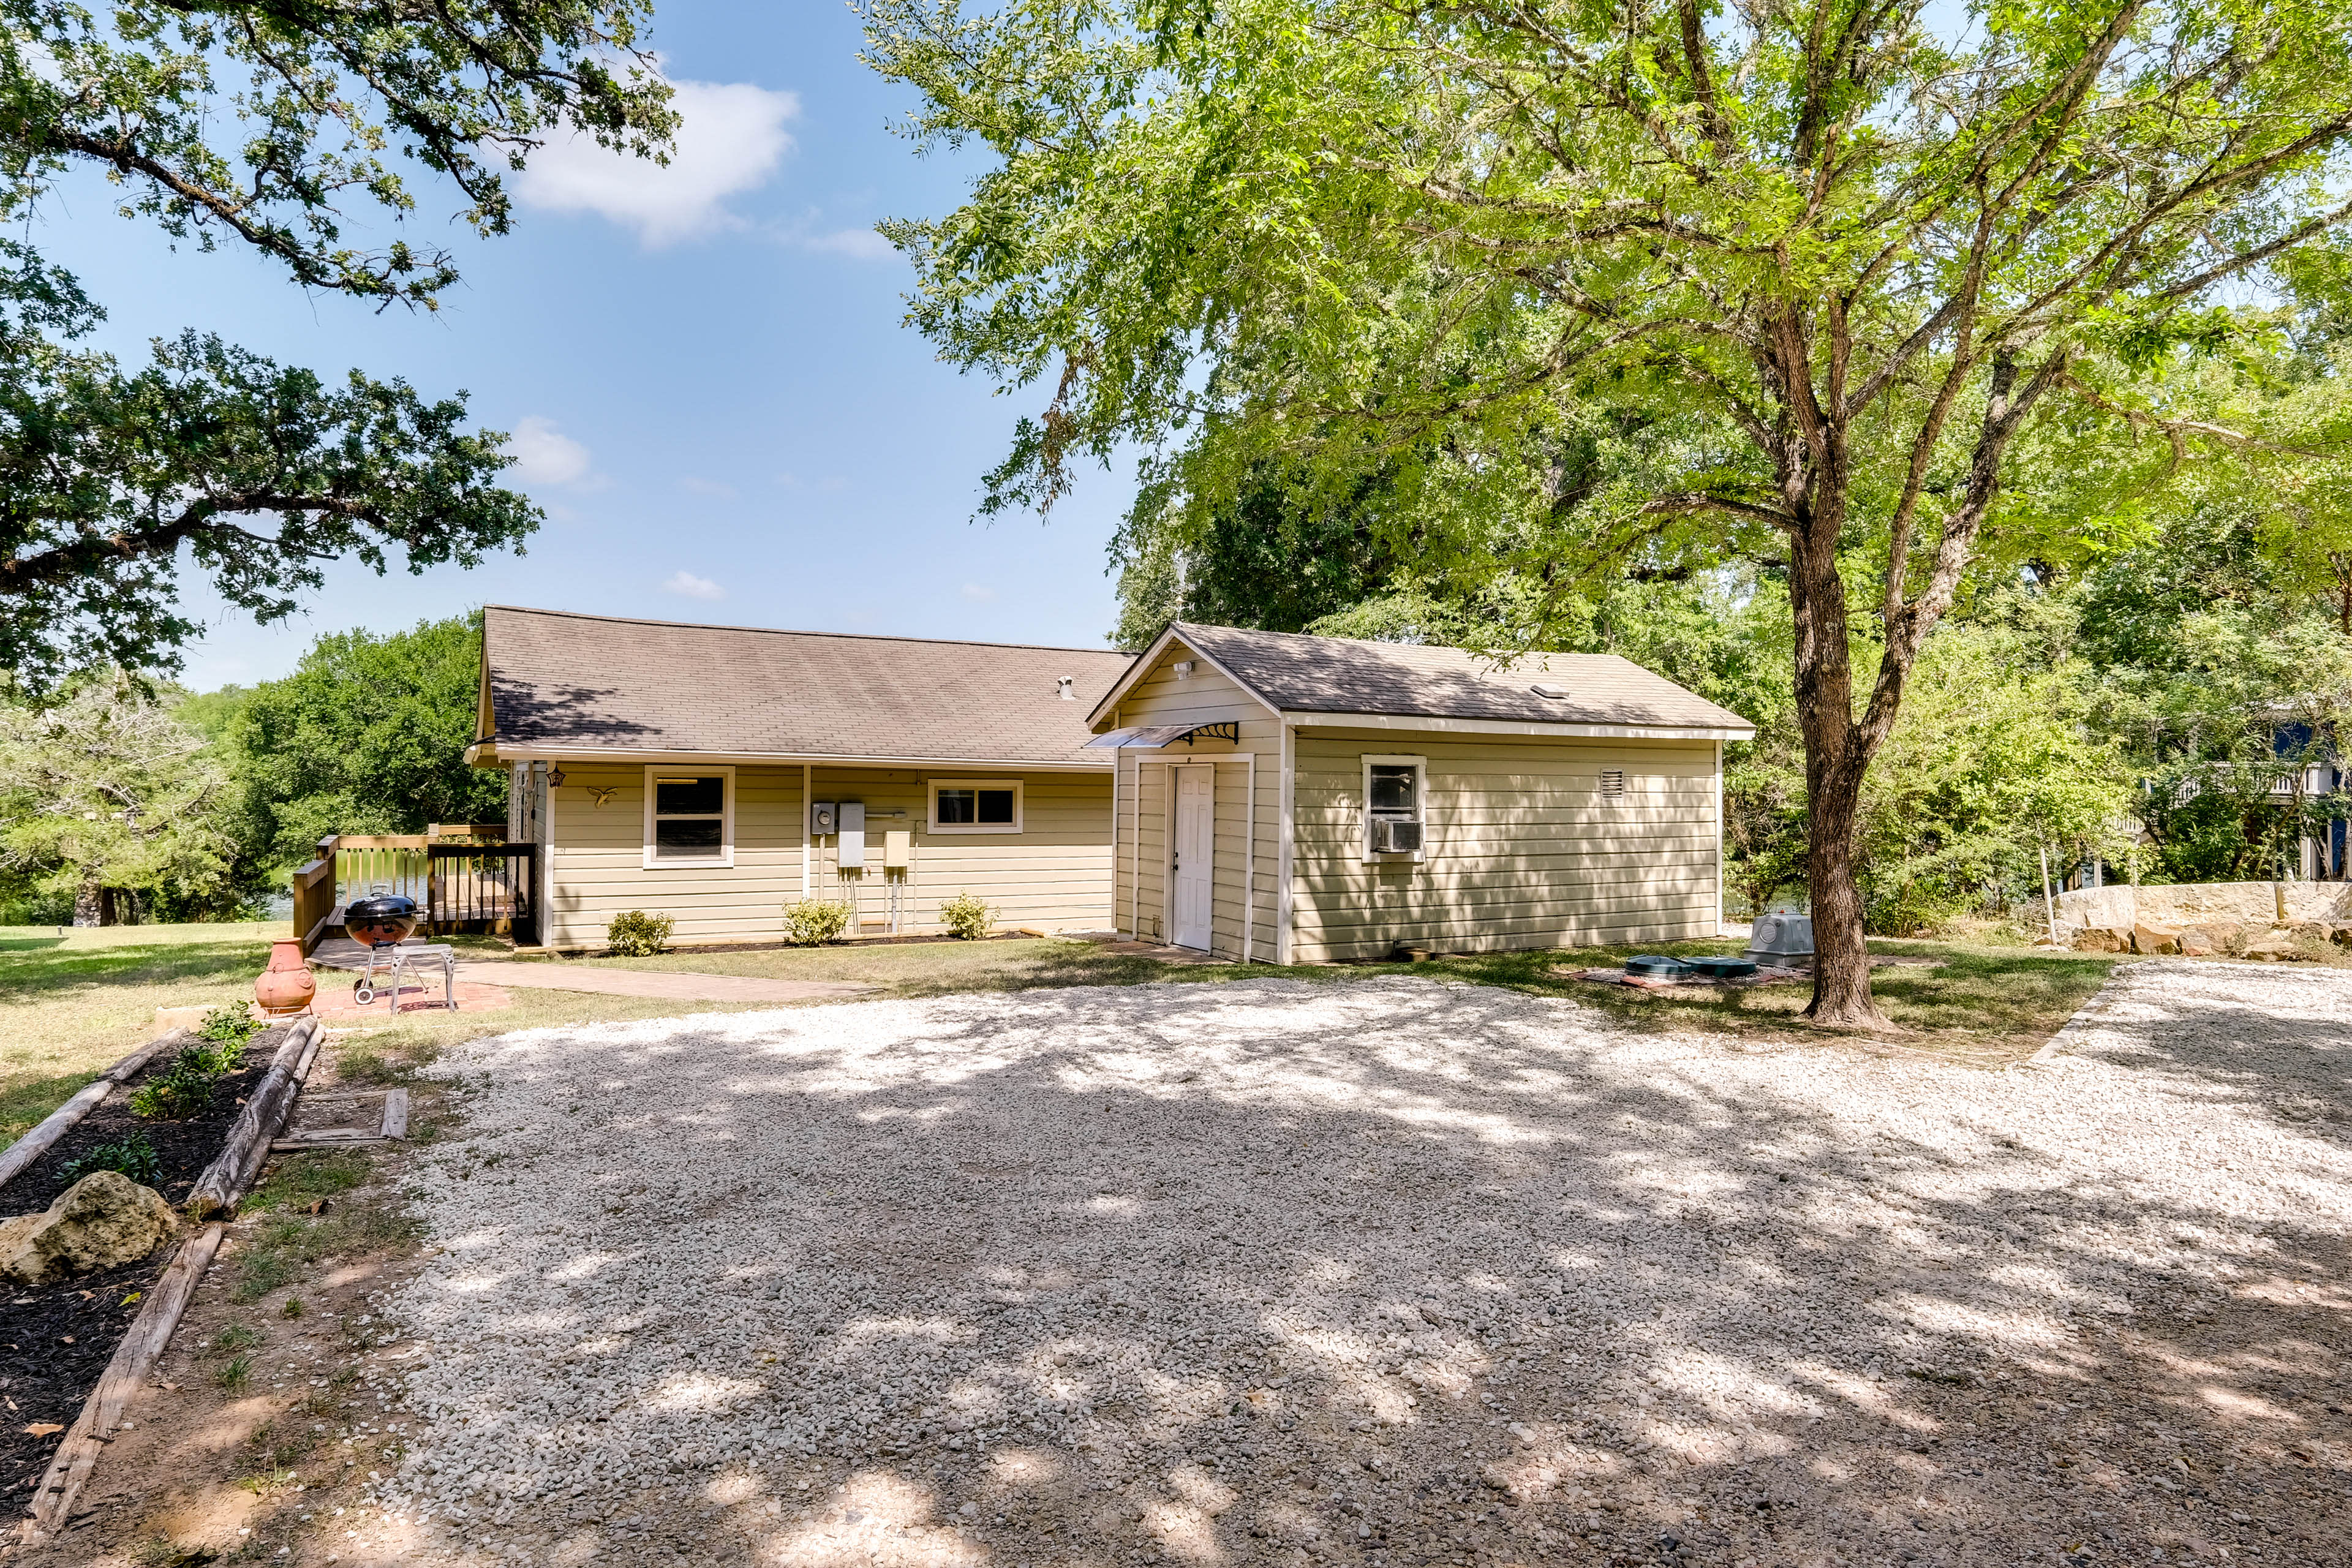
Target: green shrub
pixel 180 1090
pixel 233 1025
pixel 131 1155
pixel 636 934
pixel 213 1059
pixel 814 921
pixel 967 917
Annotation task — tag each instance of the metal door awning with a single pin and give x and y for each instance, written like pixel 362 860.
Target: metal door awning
pixel 1158 737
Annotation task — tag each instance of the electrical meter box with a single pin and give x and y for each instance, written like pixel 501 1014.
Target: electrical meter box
pixel 822 817
pixel 849 850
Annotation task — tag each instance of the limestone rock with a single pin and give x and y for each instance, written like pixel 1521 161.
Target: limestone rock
pixel 2151 938
pixel 2273 944
pixel 103 1221
pixel 2195 941
pixel 2099 939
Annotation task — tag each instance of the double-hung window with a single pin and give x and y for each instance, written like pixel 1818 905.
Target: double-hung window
pixel 976 805
pixel 689 817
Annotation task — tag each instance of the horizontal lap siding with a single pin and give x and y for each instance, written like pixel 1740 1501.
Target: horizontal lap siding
pixel 1522 850
pixel 1055 874
pixel 1146 803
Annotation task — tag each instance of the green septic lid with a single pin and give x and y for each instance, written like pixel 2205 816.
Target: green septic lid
pixel 1651 966
pixel 1723 968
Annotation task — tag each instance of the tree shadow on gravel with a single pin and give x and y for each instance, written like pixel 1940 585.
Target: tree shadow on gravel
pixel 1386 1273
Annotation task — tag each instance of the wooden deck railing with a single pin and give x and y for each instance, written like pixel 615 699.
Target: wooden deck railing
pixel 353 865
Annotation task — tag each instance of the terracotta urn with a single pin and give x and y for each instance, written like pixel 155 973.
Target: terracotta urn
pixel 287 986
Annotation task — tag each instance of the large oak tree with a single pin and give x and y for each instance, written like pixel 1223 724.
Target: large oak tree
pixel 1824 261
pixel 272 125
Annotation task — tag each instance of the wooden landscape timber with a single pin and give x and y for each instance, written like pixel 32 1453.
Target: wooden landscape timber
pixel 256 1127
pixel 58 1123
pixel 101 1414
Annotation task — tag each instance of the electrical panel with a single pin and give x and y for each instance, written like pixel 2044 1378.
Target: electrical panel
pixel 850 849
pixel 822 818
pixel 897 849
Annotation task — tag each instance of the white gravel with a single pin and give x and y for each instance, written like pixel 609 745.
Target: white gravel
pixel 1384 1270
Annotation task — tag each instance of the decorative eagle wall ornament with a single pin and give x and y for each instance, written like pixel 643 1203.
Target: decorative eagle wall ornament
pixel 603 796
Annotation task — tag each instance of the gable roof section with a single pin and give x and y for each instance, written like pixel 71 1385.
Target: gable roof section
pixel 570 682
pixel 1294 673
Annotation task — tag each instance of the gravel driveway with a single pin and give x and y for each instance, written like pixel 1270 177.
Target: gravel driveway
pixel 1385 1271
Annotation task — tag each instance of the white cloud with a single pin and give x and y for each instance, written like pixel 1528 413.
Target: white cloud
pixel 862 243
pixel 688 585
pixel 545 455
pixel 730 137
pixel 702 487
pixel 977 593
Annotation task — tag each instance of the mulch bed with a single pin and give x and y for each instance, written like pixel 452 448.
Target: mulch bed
pixel 56 1340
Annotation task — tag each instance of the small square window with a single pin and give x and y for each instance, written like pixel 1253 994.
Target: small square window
pixel 1392 790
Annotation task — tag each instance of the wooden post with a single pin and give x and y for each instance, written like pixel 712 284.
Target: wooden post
pixel 2049 905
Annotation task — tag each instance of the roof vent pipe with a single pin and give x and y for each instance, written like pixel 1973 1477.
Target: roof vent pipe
pixel 1062 688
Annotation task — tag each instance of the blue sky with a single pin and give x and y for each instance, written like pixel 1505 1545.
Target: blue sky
pixel 704 367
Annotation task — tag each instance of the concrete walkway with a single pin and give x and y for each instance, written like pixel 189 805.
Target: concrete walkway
pixel 342 952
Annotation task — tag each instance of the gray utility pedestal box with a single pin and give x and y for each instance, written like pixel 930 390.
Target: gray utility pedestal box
pixel 1783 941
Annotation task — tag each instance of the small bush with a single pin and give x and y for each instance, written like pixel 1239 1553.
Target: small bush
pixel 212 1060
pixel 636 934
pixel 814 921
pixel 180 1090
pixel 131 1155
pixel 967 917
pixel 233 1025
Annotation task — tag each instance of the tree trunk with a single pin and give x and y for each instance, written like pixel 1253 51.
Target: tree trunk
pixel 87 902
pixel 1835 759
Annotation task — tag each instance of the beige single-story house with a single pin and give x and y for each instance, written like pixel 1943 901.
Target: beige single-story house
pixel 718 773
pixel 1250 794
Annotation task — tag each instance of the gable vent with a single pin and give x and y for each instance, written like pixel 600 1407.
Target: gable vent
pixel 1613 784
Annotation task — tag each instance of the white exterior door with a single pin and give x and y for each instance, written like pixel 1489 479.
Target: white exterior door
pixel 1192 855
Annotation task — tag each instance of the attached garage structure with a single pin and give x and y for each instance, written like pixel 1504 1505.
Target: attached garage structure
pixel 1301 799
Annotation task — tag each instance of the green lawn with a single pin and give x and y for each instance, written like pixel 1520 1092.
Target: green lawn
pixel 72 1002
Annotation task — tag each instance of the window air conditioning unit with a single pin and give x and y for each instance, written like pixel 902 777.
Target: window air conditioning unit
pixel 1394 835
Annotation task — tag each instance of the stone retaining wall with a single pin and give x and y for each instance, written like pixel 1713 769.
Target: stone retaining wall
pixel 2120 908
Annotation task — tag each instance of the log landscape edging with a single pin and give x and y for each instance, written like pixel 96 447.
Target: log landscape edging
pixel 21 1155
pixel 216 1192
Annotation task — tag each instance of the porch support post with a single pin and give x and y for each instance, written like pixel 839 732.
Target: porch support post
pixel 808 810
pixel 1249 855
pixel 1284 835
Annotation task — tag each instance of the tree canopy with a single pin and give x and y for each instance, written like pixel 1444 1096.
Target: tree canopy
pixel 273 127
pixel 1801 273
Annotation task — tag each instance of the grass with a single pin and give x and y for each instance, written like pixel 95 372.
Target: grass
pixel 75 1000
pixel 290 1239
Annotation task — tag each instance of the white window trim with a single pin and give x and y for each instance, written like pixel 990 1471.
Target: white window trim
pixel 1019 805
pixel 1420 766
pixel 726 859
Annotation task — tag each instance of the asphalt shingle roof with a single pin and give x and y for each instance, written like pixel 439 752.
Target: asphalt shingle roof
pixel 579 681
pixel 1303 674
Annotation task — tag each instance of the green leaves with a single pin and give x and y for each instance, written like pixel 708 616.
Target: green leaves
pixel 106 477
